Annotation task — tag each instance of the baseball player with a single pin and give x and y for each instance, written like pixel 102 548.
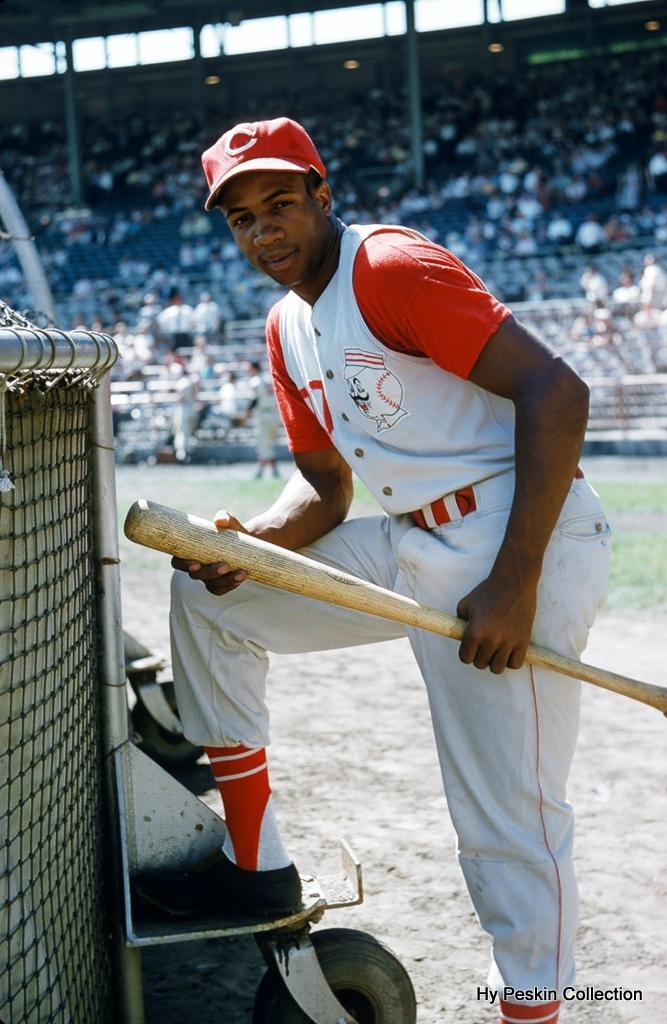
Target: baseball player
pixel 391 360
pixel 264 410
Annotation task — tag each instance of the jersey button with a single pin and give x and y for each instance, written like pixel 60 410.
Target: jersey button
pixel 329 375
pixel 387 490
pixel 345 417
pixel 317 333
pixel 359 452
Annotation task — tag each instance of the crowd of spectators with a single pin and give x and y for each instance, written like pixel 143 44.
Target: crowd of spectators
pixel 529 179
pixel 626 319
pixel 169 400
pixel 201 388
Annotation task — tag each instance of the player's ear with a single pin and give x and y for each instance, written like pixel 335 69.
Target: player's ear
pixel 324 197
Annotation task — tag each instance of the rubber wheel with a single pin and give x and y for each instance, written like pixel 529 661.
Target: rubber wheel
pixel 165 747
pixel 367 978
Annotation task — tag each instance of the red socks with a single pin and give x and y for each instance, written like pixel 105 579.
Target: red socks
pixel 243 780
pixel 519 1013
pixel 253 840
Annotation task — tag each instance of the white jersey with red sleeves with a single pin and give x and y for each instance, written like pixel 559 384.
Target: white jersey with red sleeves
pixel 411 430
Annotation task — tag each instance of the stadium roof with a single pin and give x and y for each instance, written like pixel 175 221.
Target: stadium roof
pixel 34 21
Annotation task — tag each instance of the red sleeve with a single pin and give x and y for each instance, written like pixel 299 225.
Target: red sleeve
pixel 304 432
pixel 418 298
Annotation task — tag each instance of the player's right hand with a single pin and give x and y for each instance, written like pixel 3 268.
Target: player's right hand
pixel 219 577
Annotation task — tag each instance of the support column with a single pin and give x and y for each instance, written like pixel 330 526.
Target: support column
pixel 385 75
pixel 198 71
pixel 72 126
pixel 128 979
pixel 414 96
pixel 26 252
pixel 291 86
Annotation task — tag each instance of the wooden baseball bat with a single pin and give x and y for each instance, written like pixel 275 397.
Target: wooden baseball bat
pixel 187 536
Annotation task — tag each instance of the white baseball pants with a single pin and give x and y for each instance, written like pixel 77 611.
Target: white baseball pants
pixel 505 743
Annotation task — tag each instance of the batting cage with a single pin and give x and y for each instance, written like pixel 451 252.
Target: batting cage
pixel 55 947
pixel 81 808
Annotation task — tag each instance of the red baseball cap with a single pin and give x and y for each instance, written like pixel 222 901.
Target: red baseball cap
pixel 277 145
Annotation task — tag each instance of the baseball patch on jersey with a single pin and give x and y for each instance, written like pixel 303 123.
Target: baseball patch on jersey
pixel 375 390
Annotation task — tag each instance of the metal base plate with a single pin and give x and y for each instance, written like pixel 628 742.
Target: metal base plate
pixel 162 824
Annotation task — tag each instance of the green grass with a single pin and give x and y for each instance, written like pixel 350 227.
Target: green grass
pixel 207 490
pixel 201 492
pixel 638 570
pixel 638 512
pixel 636 497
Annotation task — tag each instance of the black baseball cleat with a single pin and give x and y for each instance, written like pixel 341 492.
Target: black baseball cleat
pixel 218 887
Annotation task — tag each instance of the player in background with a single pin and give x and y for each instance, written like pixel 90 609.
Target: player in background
pixel 390 358
pixel 263 409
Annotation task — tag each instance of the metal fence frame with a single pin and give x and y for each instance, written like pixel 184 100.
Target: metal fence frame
pixel 82 359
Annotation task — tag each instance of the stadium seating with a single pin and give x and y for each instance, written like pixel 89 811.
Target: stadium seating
pixel 504 160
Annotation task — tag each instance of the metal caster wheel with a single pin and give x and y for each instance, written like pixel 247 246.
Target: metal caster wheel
pixel 366 977
pixel 167 747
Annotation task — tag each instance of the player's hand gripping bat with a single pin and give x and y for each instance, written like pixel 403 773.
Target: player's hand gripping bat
pixel 187 536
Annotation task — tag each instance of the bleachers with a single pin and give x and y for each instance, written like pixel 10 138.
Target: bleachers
pixel 628 398
pixel 634 406
pixel 133 237
pixel 144 410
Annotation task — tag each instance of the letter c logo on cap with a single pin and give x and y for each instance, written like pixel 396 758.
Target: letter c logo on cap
pixel 247 130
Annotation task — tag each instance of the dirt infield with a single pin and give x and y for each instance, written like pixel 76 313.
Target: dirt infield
pixel 353 755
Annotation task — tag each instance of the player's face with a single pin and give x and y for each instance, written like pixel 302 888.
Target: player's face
pixel 282 228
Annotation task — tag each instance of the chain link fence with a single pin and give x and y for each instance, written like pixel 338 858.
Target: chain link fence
pixel 54 936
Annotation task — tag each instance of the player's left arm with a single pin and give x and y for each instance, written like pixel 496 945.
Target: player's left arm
pixel 551 404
